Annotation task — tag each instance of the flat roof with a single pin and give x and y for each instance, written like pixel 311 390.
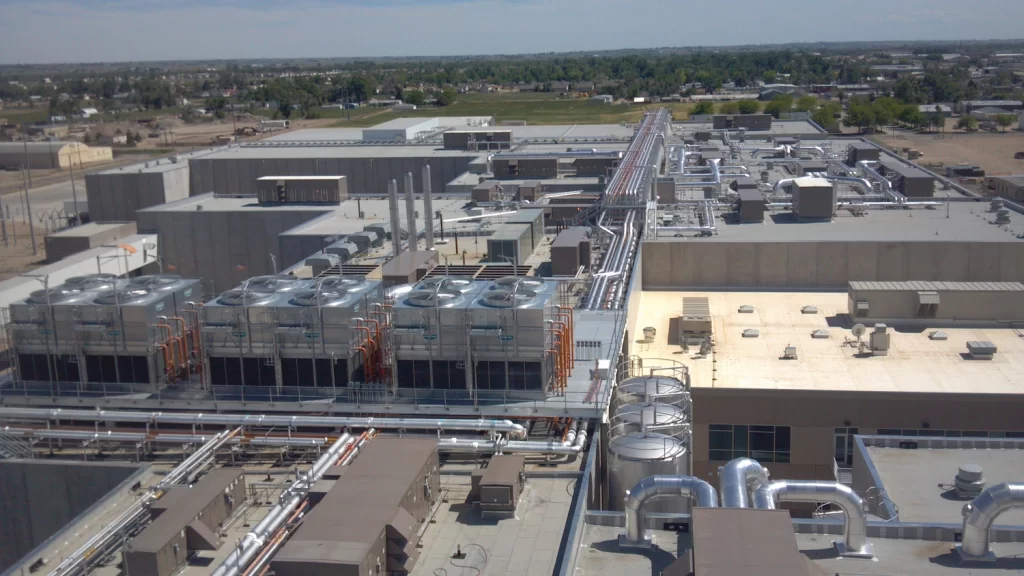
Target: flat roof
pixel 915 363
pixel 811 182
pixel 300 178
pixel 920 481
pixel 402 123
pixel 158 165
pixel 255 151
pixel 778 127
pixel 966 222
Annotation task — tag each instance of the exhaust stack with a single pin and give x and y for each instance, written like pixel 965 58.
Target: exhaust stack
pixel 428 209
pixel 396 229
pixel 410 212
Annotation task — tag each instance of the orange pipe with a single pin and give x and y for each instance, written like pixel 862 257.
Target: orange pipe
pixel 557 347
pixel 168 353
pixel 564 335
pixel 565 432
pixel 571 352
pixel 366 362
pixel 182 340
pixel 567 311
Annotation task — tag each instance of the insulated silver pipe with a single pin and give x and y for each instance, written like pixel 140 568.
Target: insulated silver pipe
pixel 980 513
pixel 246 550
pixel 738 479
pixel 396 229
pixel 887 188
pixel 263 420
pixel 573 445
pixel 410 212
pixel 700 493
pixel 428 210
pixel 855 527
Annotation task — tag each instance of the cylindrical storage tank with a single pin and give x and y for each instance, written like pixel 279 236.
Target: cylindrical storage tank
pixel 647 389
pixel 655 417
pixel 638 455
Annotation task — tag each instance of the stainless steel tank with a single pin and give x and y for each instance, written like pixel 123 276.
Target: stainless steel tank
pixel 647 389
pixel 654 417
pixel 638 455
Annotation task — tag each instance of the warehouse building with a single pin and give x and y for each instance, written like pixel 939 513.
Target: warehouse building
pixel 1009 187
pixel 52 155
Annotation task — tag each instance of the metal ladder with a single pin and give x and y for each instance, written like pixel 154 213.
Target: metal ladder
pixel 13 447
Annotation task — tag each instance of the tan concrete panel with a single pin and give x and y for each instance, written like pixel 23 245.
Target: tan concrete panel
pixel 1011 262
pixel 953 261
pixel 772 258
pixel 802 264
pixel 922 261
pixel 892 263
pixel 811 446
pixel 742 265
pixel 711 262
pixel 832 258
pixel 862 261
pixel 679 260
pixel 984 260
pixel 654 271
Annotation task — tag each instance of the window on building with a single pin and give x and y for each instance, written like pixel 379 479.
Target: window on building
pixel 767 444
pixel 844 445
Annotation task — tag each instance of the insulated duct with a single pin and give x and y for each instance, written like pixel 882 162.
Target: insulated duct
pixel 979 515
pixel 887 188
pixel 263 420
pixel 396 230
pixel 244 552
pixel 410 212
pixel 574 444
pixel 700 493
pixel 428 210
pixel 855 529
pixel 738 479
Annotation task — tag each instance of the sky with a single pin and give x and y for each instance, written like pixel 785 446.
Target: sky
pixel 51 31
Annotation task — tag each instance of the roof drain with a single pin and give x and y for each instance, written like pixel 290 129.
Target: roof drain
pixel 855 543
pixel 979 515
pixel 700 493
pixel 738 479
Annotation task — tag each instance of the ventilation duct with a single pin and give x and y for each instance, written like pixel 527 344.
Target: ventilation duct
pixel 699 492
pixel 979 515
pixel 855 529
pixel 739 478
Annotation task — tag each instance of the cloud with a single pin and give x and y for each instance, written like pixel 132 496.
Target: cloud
pixel 139 30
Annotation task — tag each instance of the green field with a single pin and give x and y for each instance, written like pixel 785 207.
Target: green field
pixel 547 111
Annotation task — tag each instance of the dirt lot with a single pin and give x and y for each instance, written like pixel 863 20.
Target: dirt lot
pixel 992 151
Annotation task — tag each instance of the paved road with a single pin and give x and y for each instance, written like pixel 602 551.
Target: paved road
pixel 45 199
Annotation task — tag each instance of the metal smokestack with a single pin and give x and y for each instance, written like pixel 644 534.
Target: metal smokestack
pixel 428 210
pixel 410 211
pixel 396 229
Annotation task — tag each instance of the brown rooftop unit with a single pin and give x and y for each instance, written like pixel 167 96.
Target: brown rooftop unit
pixel 368 524
pixel 501 483
pixel 409 267
pixel 488 191
pixel 570 250
pixel 185 519
pixel 751 205
pixel 529 191
pixel 747 542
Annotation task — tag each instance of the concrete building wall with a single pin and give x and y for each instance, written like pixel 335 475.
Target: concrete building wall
pixel 163 562
pixel 62 245
pixel 38 498
pixel 954 305
pixel 674 265
pixel 525 167
pixel 231 176
pixel 116 196
pixel 814 415
pixel 222 248
pixel 1009 188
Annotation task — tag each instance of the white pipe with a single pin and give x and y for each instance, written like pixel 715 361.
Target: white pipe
pixel 410 212
pixel 887 188
pixel 263 420
pixel 699 492
pixel 855 527
pixel 246 550
pixel 979 515
pixel 501 446
pixel 396 228
pixel 428 209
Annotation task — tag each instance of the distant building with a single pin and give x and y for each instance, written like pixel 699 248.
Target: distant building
pixel 601 99
pixel 989 113
pixel 583 86
pixel 50 155
pixel 87 112
pixel 1005 105
pixel 559 86
pixel 1010 187
pixel 898 69
pixel 944 109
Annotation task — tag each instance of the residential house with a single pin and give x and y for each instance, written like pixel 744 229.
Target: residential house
pixel 559 86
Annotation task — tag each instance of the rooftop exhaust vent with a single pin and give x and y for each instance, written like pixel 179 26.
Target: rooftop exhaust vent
pixel 528 282
pixel 969 481
pixel 238 297
pixel 508 298
pixel 155 281
pixel 455 283
pixel 56 296
pixel 1003 216
pixel 746 309
pixel 820 334
pixel 309 297
pixel 280 283
pixel 751 333
pixel 938 335
pixel 341 283
pixel 121 297
pixel 809 310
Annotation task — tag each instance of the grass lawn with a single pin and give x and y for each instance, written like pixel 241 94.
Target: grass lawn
pixel 532 111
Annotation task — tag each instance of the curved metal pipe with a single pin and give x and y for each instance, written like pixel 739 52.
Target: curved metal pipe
pixel 700 493
pixel 481 425
pixel 738 479
pixel 979 515
pixel 855 526
pixel 887 188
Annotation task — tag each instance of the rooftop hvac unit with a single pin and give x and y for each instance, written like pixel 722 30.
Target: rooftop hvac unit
pixel 92 282
pixel 276 283
pixel 437 298
pixel 47 317
pixel 508 298
pixel 186 292
pixel 533 283
pixel 343 249
pixel 461 284
pixel 318 263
